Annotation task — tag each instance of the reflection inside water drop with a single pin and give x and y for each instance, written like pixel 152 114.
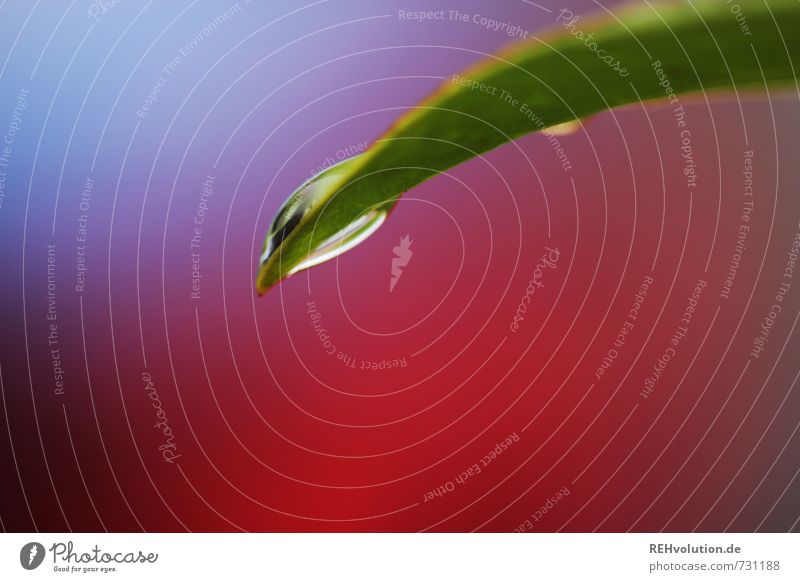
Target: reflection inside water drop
pixel 306 198
pixel 354 234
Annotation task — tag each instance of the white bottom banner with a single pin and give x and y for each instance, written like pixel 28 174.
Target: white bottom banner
pixel 417 557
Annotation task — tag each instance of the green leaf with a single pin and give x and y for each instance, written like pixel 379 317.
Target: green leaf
pixel 647 52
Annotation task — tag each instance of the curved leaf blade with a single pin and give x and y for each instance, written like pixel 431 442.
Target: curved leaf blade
pixel 648 53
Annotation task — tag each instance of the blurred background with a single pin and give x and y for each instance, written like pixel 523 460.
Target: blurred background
pixel 145 386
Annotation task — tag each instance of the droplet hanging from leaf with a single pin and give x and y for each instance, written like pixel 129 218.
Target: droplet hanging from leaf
pixel 549 82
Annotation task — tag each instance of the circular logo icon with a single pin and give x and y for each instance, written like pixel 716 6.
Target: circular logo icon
pixel 31 555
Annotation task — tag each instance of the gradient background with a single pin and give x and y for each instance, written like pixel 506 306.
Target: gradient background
pixel 273 433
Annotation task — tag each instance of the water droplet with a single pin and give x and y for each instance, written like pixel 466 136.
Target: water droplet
pixel 344 240
pixel 306 198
